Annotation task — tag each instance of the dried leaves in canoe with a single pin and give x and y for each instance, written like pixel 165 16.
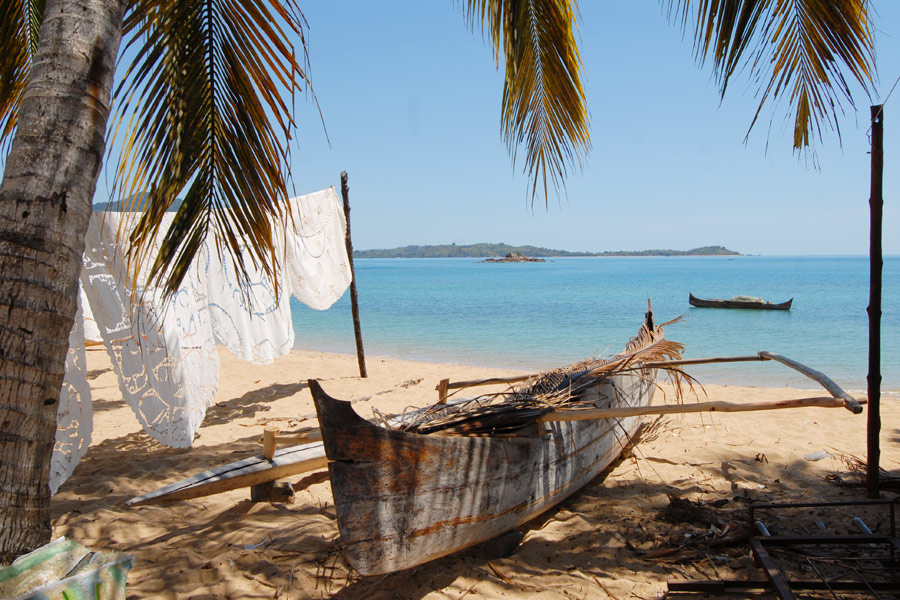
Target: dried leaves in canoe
pixel 508 412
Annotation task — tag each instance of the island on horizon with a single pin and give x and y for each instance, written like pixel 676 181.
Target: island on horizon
pixel 486 250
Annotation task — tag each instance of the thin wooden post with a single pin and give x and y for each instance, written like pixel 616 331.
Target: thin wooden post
pixel 442 388
pixel 354 299
pixel 876 206
pixel 270 435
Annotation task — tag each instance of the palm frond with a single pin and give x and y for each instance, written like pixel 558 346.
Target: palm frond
pixel 206 109
pixel 544 109
pixel 20 27
pixel 800 51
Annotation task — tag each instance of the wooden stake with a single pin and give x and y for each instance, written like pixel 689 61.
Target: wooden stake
pixel 442 391
pixel 269 435
pixel 876 263
pixel 668 409
pixel 354 300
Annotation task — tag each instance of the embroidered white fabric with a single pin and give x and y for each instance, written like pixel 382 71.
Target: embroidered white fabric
pixel 74 421
pixel 164 355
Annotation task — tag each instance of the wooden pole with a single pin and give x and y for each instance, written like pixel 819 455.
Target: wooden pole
pixel 354 299
pixel 876 206
pixel 669 409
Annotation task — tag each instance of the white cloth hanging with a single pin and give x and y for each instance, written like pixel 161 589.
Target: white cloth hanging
pixel 164 354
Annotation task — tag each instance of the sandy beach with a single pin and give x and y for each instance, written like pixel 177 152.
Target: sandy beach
pixel 616 538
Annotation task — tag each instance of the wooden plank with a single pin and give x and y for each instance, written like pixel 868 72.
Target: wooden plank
pixel 668 409
pixel 243 473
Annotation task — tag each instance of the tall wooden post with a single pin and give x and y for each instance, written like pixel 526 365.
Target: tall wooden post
pixel 876 262
pixel 354 299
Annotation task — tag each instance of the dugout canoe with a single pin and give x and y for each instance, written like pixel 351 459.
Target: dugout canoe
pixel 405 498
pixel 733 303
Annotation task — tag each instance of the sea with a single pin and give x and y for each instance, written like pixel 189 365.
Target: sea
pixel 541 315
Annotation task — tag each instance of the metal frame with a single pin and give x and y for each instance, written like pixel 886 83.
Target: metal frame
pixel 865 564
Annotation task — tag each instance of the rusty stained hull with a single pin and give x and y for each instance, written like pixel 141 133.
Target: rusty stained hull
pixel 404 499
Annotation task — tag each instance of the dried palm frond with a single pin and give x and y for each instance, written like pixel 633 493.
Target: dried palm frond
pixel 888 480
pixel 521 405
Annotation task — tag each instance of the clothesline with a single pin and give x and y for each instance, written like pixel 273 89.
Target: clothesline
pixel 164 352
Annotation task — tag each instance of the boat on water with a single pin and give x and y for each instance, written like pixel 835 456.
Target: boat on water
pixel 749 302
pixel 460 473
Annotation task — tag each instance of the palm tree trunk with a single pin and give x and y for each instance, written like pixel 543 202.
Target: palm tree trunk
pixel 45 203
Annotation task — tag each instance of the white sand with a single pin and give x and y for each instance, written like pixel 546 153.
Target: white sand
pixel 608 540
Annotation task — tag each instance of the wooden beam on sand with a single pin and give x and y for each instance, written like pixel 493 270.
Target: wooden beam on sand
pixel 243 473
pixel 668 409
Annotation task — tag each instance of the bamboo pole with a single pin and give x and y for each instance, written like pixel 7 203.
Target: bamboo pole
pixel 354 300
pixel 876 263
pixel 702 361
pixel 668 409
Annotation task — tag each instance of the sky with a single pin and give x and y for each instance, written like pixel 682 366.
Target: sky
pixel 411 104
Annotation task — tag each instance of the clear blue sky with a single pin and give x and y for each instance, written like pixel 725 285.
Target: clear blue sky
pixel 411 100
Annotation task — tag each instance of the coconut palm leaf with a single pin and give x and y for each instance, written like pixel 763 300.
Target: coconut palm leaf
pixel 206 110
pixel 20 26
pixel 800 51
pixel 544 107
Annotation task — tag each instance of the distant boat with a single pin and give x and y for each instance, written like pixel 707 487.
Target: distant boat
pixel 739 302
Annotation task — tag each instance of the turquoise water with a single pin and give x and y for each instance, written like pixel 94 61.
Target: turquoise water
pixel 542 315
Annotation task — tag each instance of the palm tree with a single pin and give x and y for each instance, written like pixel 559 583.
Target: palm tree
pixel 204 110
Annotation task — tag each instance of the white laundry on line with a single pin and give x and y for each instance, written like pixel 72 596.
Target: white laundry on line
pixel 164 354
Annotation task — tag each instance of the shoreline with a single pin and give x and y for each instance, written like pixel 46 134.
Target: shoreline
pixel 611 537
pixel 719 382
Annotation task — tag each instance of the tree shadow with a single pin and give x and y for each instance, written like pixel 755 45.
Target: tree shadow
pixel 252 402
pixel 612 535
pixel 95 373
pixel 99 405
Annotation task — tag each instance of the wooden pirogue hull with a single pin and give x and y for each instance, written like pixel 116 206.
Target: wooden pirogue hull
pixel 718 303
pixel 403 499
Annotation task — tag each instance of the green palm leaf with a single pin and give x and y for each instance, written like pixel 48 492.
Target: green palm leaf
pixel 800 51
pixel 544 107
pixel 206 110
pixel 20 26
